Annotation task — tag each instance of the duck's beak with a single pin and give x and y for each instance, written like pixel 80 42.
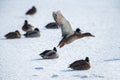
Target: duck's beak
pixel 92 36
pixel 68 67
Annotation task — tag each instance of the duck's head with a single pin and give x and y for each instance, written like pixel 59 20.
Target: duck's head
pixel 54 49
pixel 17 32
pixel 33 7
pixel 78 30
pixel 36 29
pixel 26 22
pixel 87 59
pixel 88 34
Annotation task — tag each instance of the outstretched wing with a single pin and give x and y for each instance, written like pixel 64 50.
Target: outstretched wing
pixel 66 28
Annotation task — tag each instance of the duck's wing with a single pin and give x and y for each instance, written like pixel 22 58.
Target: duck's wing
pixel 32 34
pixel 27 33
pixel 43 53
pixel 77 63
pixel 10 34
pixel 51 53
pixel 66 28
pixel 29 11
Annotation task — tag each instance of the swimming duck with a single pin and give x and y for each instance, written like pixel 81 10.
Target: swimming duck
pixel 49 54
pixel 31 11
pixel 27 27
pixel 13 35
pixel 80 64
pixel 67 32
pixel 33 33
pixel 51 25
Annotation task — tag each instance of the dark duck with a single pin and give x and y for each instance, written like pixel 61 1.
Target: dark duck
pixel 27 27
pixel 31 11
pixel 13 35
pixel 81 64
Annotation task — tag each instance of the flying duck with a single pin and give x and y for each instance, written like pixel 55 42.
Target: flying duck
pixel 49 54
pixel 77 35
pixel 67 32
pixel 80 64
pixel 31 11
pixel 52 25
pixel 32 33
pixel 27 27
pixel 13 35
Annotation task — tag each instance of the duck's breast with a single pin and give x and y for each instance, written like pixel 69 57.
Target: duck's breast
pixel 70 39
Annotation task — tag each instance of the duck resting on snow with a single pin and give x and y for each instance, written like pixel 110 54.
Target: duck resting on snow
pixel 67 32
pixel 13 35
pixel 49 54
pixel 31 11
pixel 27 27
pixel 32 33
pixel 81 64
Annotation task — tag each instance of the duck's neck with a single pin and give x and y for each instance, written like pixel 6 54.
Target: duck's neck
pixel 87 59
pixel 81 35
pixel 26 22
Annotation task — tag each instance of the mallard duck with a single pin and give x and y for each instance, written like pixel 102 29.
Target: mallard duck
pixel 52 25
pixel 81 64
pixel 77 35
pixel 33 33
pixel 27 27
pixel 13 35
pixel 49 54
pixel 31 11
pixel 67 32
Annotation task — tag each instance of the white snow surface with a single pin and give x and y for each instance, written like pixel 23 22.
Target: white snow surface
pixel 20 60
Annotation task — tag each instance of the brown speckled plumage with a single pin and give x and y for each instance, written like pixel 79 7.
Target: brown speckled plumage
pixel 13 35
pixel 81 64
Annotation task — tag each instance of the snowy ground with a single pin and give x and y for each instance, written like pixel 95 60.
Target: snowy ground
pixel 20 60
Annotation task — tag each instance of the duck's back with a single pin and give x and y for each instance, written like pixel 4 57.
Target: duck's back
pixel 32 34
pixel 31 11
pixel 12 35
pixel 50 55
pixel 80 65
pixel 43 53
pixel 51 25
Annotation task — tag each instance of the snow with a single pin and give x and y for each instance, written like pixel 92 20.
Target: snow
pixel 20 60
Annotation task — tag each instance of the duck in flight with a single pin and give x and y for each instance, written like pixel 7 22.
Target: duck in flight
pixel 67 32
